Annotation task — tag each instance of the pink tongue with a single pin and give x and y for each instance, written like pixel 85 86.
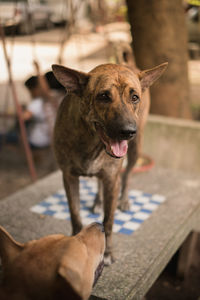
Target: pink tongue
pixel 119 148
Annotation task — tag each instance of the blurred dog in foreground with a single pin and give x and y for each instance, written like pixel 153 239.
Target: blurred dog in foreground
pixel 53 267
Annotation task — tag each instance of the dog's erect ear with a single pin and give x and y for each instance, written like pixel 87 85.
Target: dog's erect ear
pixel 148 77
pixel 9 248
pixel 74 81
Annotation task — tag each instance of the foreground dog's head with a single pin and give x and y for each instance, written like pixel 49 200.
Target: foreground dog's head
pixel 53 267
pixel 111 98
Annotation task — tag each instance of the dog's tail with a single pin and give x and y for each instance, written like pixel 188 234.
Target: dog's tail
pixel 9 248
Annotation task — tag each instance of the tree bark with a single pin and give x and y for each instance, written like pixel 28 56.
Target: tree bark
pixel 159 34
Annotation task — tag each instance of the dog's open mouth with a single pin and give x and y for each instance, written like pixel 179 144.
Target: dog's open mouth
pixel 115 148
pixel 98 272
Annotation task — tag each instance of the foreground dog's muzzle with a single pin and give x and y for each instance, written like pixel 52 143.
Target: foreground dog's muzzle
pixel 116 140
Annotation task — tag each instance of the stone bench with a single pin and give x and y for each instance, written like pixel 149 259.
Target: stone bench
pixel 173 143
pixel 140 257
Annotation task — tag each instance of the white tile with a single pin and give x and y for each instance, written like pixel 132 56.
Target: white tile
pixel 61 215
pixel 116 227
pixel 52 200
pixel 83 191
pixel 87 197
pixel 93 185
pixel 150 206
pixel 141 216
pixel 38 209
pixel 135 208
pixel 135 193
pixel 123 217
pixel 142 199
pixel 57 207
pixel 131 225
pixel 84 213
pixel 158 198
pixel 61 192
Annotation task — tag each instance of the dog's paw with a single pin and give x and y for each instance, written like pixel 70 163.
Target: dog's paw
pixel 108 259
pixel 124 205
pixel 97 208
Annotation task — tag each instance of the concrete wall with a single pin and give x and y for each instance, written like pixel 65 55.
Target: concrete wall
pixel 173 143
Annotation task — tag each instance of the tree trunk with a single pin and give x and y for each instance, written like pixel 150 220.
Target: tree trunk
pixel 159 34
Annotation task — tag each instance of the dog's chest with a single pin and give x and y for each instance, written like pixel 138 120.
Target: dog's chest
pixel 89 164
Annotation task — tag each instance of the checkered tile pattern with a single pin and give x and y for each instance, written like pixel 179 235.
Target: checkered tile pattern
pixel 142 206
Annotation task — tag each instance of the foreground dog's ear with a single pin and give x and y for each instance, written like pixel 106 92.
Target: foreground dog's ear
pixel 74 81
pixel 148 77
pixel 71 271
pixel 72 276
pixel 9 248
pixel 75 270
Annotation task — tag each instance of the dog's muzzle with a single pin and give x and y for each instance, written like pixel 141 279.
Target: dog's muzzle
pixel 116 140
pixel 128 132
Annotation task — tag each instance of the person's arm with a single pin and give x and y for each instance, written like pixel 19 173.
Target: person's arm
pixel 27 115
pixel 42 82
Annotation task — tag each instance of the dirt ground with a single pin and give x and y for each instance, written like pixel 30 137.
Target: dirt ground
pixel 14 172
pixel 170 287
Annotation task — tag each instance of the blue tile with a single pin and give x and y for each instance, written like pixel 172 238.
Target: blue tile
pixel 86 208
pixel 154 202
pixel 148 211
pixel 92 194
pixel 119 222
pixel 128 212
pixel 132 197
pixel 147 195
pixel 126 231
pixel 65 210
pixel 138 203
pixel 136 220
pixel 57 195
pixel 45 204
pixel 64 203
pixel 83 201
pixel 93 216
pixel 49 212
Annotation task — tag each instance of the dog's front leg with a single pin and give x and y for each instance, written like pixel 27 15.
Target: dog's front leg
pixel 97 207
pixel 71 184
pixel 111 192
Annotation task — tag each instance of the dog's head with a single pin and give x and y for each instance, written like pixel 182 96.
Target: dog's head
pixel 53 267
pixel 111 98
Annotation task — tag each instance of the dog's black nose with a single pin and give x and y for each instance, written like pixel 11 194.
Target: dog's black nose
pixel 128 132
pixel 100 226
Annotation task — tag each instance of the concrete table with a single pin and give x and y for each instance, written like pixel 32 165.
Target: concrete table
pixel 140 257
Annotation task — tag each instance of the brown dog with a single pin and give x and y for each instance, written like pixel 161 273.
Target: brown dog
pixel 102 112
pixel 53 267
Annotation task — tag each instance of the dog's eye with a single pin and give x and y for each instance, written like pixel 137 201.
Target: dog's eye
pixel 104 97
pixel 134 98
